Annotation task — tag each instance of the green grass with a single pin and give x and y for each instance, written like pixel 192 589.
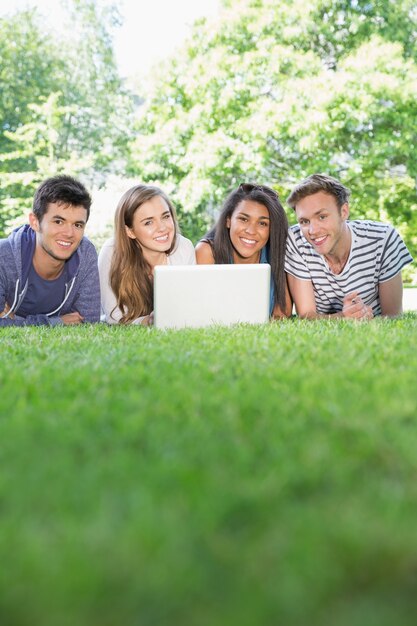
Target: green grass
pixel 255 476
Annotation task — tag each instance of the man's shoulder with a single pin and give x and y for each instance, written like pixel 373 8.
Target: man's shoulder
pixel 87 249
pixel 12 244
pixel 84 260
pixel 295 237
pixel 294 232
pixel 7 255
pixel 370 228
pixel 5 247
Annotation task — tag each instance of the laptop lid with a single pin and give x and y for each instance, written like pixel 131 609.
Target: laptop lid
pixel 200 295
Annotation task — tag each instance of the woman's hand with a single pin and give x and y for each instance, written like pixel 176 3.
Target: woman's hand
pixel 147 320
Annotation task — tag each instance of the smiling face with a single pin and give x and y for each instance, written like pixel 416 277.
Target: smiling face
pixel 248 227
pixel 323 223
pixel 153 227
pixel 59 232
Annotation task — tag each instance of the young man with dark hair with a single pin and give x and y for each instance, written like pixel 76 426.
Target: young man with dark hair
pixel 341 268
pixel 48 269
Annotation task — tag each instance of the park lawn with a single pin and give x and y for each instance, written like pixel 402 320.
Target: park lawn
pixel 254 476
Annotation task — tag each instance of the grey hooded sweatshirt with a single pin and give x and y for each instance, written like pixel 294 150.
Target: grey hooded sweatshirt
pixel 82 291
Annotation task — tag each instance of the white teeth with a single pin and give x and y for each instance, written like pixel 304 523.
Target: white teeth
pixel 64 243
pixel 319 239
pixel 164 238
pixel 249 241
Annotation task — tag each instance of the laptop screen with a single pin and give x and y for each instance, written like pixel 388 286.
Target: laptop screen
pixel 201 295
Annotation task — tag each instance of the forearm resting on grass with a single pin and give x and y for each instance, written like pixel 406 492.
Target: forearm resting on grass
pixel 69 319
pixel 391 296
pixel 305 303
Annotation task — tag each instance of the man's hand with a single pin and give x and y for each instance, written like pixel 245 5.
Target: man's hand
pixel 5 311
pixel 72 318
pixel 355 308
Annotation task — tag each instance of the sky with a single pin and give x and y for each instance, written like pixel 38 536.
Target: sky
pixel 151 31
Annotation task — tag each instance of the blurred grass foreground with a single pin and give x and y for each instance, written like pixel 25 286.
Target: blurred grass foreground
pixel 244 476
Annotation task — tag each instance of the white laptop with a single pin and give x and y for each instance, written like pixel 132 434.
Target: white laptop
pixel 200 295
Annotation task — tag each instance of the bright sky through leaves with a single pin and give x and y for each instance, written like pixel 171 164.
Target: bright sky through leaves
pixel 151 30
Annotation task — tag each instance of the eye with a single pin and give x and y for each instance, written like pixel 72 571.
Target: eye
pixel 167 216
pixel 302 222
pixel 79 225
pixel 58 221
pixel 242 218
pixel 322 217
pixel 264 224
pixel 148 222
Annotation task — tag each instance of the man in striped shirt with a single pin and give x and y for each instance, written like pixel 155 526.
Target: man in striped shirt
pixel 341 268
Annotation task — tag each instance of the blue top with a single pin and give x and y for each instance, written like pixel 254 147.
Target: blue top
pixel 82 288
pixel 43 296
pixel 265 259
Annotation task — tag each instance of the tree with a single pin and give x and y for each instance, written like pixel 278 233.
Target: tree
pixel 63 106
pixel 38 153
pixel 275 91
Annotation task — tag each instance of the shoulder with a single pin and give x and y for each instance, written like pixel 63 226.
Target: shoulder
pixel 106 252
pixel 381 241
pixel 375 237
pixel 367 229
pixel 296 241
pixel 87 249
pixel 295 235
pixel 107 247
pixel 5 248
pixel 204 252
pixel 87 259
pixel 20 237
pixel 9 258
pixel 183 243
pixel 7 261
pixel 183 253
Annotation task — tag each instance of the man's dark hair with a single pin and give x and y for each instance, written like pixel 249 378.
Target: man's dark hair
pixel 319 182
pixel 62 190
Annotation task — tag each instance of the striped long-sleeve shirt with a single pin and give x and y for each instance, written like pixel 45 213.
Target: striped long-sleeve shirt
pixel 377 254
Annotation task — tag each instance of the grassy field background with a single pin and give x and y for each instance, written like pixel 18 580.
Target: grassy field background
pixel 247 476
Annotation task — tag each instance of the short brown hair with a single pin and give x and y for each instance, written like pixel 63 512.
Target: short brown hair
pixel 316 183
pixel 61 189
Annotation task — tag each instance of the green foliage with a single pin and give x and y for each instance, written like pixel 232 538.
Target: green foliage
pixel 63 106
pixel 39 151
pixel 252 475
pixel 27 72
pixel 274 91
pixel 30 68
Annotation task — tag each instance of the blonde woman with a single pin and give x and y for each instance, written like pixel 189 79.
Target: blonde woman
pixel 146 235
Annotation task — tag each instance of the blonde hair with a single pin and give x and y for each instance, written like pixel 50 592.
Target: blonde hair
pixel 130 273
